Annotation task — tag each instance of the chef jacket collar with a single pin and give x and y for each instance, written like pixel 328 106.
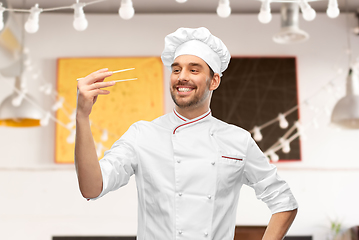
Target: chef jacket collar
pixel 179 120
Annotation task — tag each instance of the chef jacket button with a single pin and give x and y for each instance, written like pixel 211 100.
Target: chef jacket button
pixel 180 194
pixel 205 234
pixel 211 134
pixel 180 232
pixel 179 161
pixel 213 162
pixel 209 196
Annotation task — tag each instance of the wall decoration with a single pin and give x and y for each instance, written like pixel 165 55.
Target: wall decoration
pixel 112 114
pixel 254 93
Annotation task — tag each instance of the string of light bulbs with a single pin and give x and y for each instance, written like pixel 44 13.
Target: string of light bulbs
pixel 126 11
pixel 80 23
pixel 284 142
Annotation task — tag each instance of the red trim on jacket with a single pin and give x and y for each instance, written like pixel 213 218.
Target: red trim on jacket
pixel 179 116
pixel 238 159
pixel 174 131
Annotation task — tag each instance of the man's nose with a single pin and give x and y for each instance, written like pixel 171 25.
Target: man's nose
pixel 183 76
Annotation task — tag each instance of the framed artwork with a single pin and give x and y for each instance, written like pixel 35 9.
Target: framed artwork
pixel 112 115
pixel 253 91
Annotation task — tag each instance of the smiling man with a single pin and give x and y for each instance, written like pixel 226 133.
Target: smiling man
pixel 189 166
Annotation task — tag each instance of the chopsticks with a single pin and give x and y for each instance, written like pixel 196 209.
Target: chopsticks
pixel 121 80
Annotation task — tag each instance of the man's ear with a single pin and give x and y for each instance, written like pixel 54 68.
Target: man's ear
pixel 216 80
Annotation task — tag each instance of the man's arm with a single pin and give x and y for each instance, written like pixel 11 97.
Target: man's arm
pixel 279 225
pixel 86 161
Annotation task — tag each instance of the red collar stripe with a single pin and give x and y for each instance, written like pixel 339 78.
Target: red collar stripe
pixel 174 131
pixel 179 116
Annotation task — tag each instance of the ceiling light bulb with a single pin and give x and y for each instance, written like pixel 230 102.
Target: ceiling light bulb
pixel 126 10
pixel 333 10
pixel 224 9
pixel 257 134
pixel 80 22
pixel 265 15
pixel 32 23
pixel 2 10
pixel 307 11
pixel 181 1
pixel 283 123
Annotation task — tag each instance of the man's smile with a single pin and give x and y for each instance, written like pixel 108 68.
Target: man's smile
pixel 184 89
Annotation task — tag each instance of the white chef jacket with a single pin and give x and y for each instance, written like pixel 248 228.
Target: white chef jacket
pixel 189 174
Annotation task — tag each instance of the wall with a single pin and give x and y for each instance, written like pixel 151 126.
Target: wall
pixel 41 199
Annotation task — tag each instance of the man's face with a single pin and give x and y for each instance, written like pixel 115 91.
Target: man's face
pixel 190 82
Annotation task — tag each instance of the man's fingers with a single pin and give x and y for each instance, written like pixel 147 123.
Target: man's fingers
pixel 98 85
pixel 97 76
pixel 102 70
pixel 101 92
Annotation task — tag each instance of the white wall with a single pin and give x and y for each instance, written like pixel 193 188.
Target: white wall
pixel 40 199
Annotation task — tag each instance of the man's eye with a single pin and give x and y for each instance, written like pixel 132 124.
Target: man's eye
pixel 194 70
pixel 175 70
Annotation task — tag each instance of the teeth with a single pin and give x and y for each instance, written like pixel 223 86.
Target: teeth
pixel 184 89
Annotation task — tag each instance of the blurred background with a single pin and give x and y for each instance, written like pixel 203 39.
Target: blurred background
pixel 40 198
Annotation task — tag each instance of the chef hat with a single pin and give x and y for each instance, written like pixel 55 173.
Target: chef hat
pixel 198 42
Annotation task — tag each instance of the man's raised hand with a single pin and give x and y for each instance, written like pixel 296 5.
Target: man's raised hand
pixel 88 88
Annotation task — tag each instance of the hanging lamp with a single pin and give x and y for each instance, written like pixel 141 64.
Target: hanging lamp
pixel 346 112
pixel 18 110
pixel 290 32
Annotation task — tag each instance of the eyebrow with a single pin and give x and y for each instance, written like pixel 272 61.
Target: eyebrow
pixel 193 64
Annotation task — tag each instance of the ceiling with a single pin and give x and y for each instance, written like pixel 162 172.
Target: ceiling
pixel 171 6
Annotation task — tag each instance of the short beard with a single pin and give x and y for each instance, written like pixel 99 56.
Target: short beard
pixel 193 102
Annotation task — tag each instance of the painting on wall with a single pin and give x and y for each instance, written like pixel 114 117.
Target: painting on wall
pixel 112 115
pixel 253 91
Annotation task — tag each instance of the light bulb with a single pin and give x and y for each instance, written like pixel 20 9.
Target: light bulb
pixel 80 22
pixel 307 11
pixel 285 145
pixel 265 15
pixel 223 9
pixel 333 10
pixel 71 124
pixel 283 123
pixel 73 115
pixel 32 23
pixel 2 10
pixel 104 136
pixel 126 10
pixel 273 156
pixel 257 134
pixel 58 104
pixel 181 1
pixel 71 137
pixel 45 120
pixel 99 149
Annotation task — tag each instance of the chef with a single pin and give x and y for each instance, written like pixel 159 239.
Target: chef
pixel 189 166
